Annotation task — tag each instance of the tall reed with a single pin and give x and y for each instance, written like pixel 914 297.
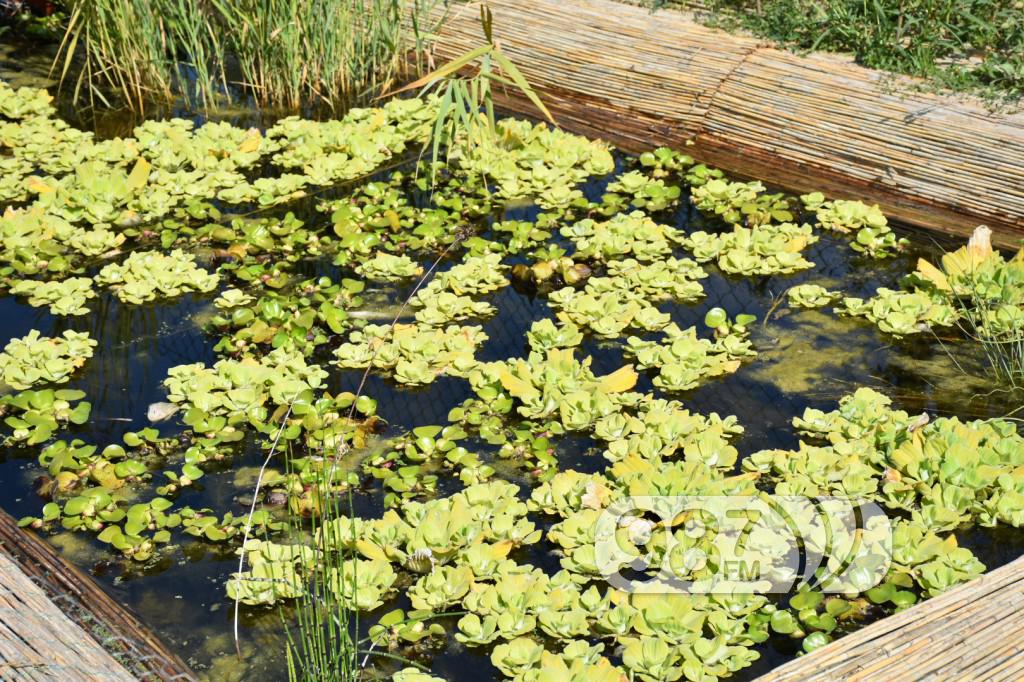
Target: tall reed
pixel 321 642
pixel 281 53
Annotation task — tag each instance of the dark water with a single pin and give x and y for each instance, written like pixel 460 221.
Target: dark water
pixel 806 359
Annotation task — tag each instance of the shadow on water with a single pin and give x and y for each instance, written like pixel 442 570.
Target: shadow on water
pixel 806 359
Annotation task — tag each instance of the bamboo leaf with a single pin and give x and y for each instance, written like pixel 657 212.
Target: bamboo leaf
pixel 508 67
pixel 446 70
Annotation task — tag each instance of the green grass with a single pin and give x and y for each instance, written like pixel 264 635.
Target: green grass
pixel 279 53
pixel 974 46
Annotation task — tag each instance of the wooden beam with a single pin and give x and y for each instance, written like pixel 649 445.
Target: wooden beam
pixel 640 79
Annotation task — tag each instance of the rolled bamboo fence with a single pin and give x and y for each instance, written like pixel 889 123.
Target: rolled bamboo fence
pixel 642 79
pixel 973 632
pixel 39 642
pixel 56 623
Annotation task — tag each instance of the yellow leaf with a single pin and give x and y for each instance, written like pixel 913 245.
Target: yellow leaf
pixel 370 550
pixel 518 388
pixel 37 186
pixel 932 274
pixel 139 175
pixel 796 244
pixel 251 143
pixel 500 550
pixel 622 379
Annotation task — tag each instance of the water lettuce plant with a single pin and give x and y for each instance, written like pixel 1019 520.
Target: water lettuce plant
pixel 413 353
pixel 626 234
pixel 34 416
pixel 873 236
pixel 741 202
pixel 607 308
pixel 385 267
pixel 35 359
pixel 765 250
pixel 67 297
pixel 300 317
pixel 554 385
pixel 24 102
pixel 900 312
pixel 810 296
pixel 651 195
pixel 147 275
pixel 534 161
pixel 684 360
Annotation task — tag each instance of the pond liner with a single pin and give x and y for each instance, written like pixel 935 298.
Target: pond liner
pixel 972 632
pixel 81 599
pixel 804 123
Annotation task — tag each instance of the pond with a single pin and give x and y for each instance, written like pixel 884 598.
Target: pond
pixel 309 238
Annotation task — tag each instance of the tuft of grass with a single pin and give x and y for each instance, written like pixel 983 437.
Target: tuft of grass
pixel 279 53
pixel 974 46
pixel 1002 346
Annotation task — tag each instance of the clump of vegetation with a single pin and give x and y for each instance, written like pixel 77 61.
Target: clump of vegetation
pixel 286 53
pixel 763 250
pixel 987 291
pixel 810 296
pixel 873 236
pixel 36 359
pixel 148 275
pixel 973 45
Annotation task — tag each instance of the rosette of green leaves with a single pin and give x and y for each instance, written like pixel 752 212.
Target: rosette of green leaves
pixel 413 353
pixel 385 267
pixel 555 385
pixel 901 312
pixel 810 296
pixel 67 297
pixel 764 250
pixel 626 234
pixel 475 275
pixel 873 237
pixel 664 161
pixel 148 275
pixel 741 202
pixel 670 278
pixel 545 334
pixel 35 359
pixel 530 160
pixel 607 308
pixel 684 360
pixel 32 242
pixel 663 428
pixel 25 102
pixel 234 392
pixel 645 193
pixel 301 319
